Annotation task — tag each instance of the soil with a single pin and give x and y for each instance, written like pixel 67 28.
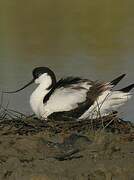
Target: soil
pixel 32 150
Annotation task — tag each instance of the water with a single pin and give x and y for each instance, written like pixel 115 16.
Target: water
pixel 93 39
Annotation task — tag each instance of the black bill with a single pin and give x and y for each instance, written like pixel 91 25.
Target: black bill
pixel 20 88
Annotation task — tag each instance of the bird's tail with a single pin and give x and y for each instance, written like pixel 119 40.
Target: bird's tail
pixel 127 89
pixel 106 103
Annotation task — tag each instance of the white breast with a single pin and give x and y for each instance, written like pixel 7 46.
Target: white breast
pixel 36 100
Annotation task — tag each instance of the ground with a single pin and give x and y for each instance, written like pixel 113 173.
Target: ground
pixel 65 155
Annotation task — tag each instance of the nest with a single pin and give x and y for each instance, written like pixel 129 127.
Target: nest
pixel 17 123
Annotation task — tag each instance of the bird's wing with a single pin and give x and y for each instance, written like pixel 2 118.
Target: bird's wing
pixel 74 99
pixel 75 95
pixel 65 99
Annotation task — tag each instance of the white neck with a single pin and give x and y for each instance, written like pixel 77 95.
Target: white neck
pixel 36 99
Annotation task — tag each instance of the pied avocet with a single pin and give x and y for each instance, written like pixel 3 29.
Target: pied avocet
pixel 73 96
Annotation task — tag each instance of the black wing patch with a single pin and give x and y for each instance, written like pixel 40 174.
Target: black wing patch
pixel 127 89
pixel 66 82
pixel 117 80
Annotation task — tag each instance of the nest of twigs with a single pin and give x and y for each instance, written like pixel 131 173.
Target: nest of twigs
pixel 17 123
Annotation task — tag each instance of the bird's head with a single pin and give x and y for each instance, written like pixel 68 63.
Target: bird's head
pixel 40 75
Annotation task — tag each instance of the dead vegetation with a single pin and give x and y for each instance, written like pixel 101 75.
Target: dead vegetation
pixel 17 123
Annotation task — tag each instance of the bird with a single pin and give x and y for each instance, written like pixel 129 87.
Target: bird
pixel 74 97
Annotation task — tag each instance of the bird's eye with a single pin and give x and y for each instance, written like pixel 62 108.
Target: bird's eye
pixel 39 74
